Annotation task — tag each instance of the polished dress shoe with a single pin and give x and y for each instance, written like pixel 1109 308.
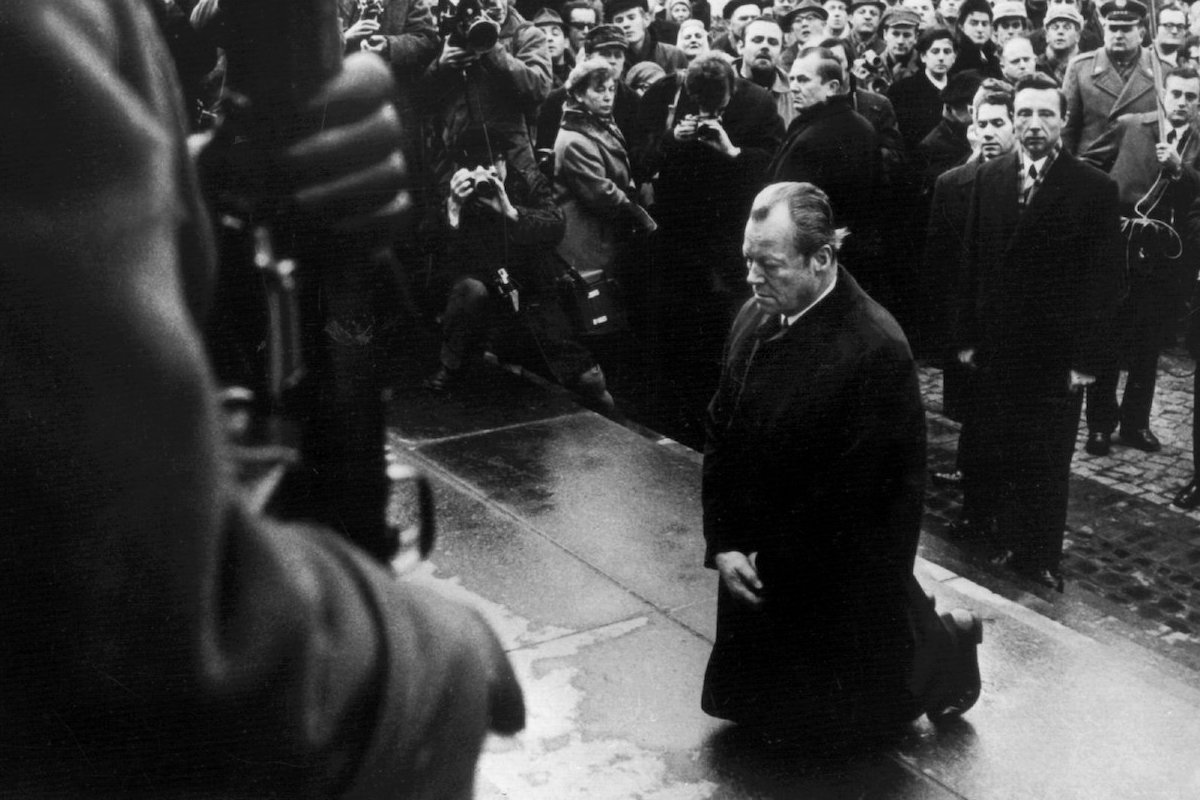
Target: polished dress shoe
pixel 1141 439
pixel 1098 443
pixel 954 478
pixel 958 683
pixel 1189 496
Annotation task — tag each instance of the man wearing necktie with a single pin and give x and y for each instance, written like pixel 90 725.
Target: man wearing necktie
pixel 1158 183
pixel 1041 280
pixel 813 493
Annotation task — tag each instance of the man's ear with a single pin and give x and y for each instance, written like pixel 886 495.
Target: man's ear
pixel 823 258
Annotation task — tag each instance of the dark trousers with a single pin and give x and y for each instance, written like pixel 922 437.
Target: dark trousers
pixel 1140 328
pixel 1015 454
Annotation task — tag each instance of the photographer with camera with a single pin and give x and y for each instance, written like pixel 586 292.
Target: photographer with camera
pixel 494 70
pixel 707 135
pixel 497 228
pixel 401 32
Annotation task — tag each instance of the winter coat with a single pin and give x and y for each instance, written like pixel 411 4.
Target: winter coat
pixel 592 187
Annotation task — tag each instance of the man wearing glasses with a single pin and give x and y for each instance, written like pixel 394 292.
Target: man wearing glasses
pixel 581 17
pixel 1171 33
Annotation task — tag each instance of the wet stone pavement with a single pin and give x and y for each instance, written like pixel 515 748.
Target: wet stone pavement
pixel 1129 555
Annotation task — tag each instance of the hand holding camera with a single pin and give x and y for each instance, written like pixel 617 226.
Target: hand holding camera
pixel 483 186
pixel 710 131
pixel 367 25
pixel 456 57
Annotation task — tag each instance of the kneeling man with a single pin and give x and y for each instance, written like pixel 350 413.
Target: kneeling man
pixel 813 490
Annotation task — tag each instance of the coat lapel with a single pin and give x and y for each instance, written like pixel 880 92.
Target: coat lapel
pixel 1104 75
pixel 1139 83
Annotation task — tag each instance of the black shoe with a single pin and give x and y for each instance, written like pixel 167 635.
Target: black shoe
pixel 1141 439
pixel 1188 497
pixel 1098 443
pixel 958 683
pixel 954 478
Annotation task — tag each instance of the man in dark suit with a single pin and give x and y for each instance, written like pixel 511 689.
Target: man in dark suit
pixel 945 244
pixel 1042 278
pixel 918 98
pixel 832 146
pixel 1114 80
pixel 707 137
pixel 1159 253
pixel 812 491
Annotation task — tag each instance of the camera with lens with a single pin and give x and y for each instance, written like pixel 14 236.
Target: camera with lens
pixel 707 132
pixel 370 10
pixel 484 189
pixel 464 23
pixel 872 60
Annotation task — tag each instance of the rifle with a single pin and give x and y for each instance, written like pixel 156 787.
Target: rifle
pixel 324 387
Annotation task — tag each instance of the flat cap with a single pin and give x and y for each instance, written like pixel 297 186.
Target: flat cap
pixel 1009 9
pixel 733 5
pixel 877 3
pixel 1060 11
pixel 899 16
pixel 804 7
pixel 604 36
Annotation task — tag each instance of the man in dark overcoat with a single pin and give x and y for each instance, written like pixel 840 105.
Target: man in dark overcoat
pixel 829 144
pixel 707 137
pixel 945 246
pixel 812 491
pixel 1042 278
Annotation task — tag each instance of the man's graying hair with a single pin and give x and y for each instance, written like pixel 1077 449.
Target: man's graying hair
pixel 811 213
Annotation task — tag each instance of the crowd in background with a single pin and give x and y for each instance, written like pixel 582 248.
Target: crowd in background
pixel 582 171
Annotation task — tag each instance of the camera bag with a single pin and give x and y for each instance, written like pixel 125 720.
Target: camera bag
pixel 592 300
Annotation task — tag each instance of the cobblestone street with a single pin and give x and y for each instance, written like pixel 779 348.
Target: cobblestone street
pixel 1128 552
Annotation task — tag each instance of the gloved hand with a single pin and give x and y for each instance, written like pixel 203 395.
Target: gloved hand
pixel 333 165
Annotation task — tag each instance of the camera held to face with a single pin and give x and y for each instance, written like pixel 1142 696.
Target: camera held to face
pixel 707 132
pixel 465 23
pixel 370 10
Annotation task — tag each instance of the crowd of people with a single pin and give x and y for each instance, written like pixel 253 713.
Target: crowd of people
pixel 581 188
pixel 575 150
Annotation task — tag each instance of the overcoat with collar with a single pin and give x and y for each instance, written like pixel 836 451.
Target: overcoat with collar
pixel 1039 287
pixel 815 460
pixel 1096 95
pixel 1040 283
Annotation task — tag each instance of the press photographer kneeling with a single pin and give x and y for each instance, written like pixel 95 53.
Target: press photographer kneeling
pixel 498 226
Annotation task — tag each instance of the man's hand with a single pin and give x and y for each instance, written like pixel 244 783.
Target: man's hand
pixel 967 357
pixel 362 29
pixel 740 577
pixel 715 136
pixel 499 202
pixel 1080 380
pixel 457 57
pixel 1168 158
pixel 375 44
pixel 685 129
